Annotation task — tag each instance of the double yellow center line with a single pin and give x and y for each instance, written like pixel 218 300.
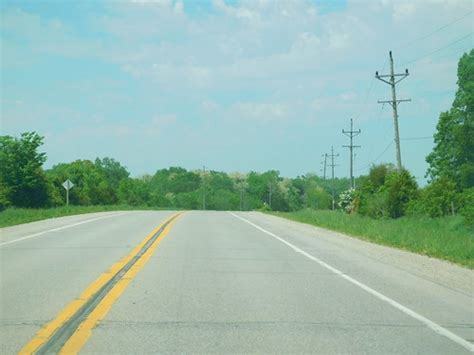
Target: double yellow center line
pixel 72 327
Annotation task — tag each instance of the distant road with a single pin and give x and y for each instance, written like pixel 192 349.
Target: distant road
pixel 221 282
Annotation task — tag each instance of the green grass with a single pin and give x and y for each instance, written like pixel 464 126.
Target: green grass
pixel 14 216
pixel 447 238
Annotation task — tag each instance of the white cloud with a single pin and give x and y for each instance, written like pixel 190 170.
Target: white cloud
pixel 264 62
pixel 259 113
pixel 401 10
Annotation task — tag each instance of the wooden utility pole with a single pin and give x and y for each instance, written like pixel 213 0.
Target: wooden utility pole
pixel 324 165
pixel 394 102
pixel 332 165
pixel 351 134
pixel 203 188
pixel 270 195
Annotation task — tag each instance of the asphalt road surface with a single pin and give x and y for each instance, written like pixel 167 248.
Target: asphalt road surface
pixel 220 282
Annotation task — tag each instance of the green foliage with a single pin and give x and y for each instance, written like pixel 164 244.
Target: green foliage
pixel 112 174
pixel 106 182
pixel 466 200
pixel 315 192
pixel 374 205
pixel 316 197
pixel 347 200
pixel 376 178
pixel 437 199
pixel 94 183
pixel 386 192
pixel 400 188
pixel 4 196
pixel 223 200
pixel 23 182
pixel 134 192
pixel 453 154
pixel 167 183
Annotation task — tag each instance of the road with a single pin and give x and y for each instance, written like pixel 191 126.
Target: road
pixel 220 282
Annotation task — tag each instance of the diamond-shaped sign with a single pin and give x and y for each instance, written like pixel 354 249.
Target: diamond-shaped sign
pixel 68 185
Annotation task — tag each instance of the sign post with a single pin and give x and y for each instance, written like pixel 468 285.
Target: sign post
pixel 68 185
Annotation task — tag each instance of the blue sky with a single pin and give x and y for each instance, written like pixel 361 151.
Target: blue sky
pixel 233 85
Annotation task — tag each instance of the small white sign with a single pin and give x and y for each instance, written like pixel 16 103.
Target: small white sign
pixel 68 185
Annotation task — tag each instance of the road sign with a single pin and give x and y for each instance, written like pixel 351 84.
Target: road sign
pixel 68 185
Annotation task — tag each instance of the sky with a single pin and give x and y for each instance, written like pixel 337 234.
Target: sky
pixel 242 85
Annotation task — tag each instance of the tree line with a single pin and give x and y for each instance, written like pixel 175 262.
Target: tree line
pixel 24 183
pixel 384 193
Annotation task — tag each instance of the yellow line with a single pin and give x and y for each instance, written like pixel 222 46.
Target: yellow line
pixel 79 337
pixel 84 331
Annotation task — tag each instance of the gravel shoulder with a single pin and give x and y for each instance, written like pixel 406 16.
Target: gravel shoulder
pixel 437 271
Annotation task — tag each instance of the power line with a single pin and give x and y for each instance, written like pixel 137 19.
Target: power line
pixel 434 31
pixel 368 92
pixel 416 138
pixel 408 44
pixel 439 49
pixel 453 49
pixel 378 157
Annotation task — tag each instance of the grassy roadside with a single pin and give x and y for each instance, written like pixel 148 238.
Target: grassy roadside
pixel 444 238
pixel 14 216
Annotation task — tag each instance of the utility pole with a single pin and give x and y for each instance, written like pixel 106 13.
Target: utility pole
pixel 241 198
pixel 241 186
pixel 355 156
pixel 325 163
pixel 203 188
pixel 394 102
pixel 270 195
pixel 332 165
pixel 351 134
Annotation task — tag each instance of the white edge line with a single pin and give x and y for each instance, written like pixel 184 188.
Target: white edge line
pixel 429 323
pixel 60 228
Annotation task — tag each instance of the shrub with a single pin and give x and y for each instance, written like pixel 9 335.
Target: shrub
pixel 467 209
pixel 373 205
pixel 400 187
pixel 347 200
pixel 436 200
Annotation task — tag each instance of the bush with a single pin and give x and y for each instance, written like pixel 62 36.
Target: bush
pixel 4 194
pixel 401 188
pixel 347 200
pixel 375 181
pixel 467 209
pixel 436 200
pixel 373 205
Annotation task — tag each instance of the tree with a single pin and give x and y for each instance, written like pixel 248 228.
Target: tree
pixel 23 182
pixel 134 192
pixel 264 189
pixel 90 183
pixel 113 173
pixel 453 154
pixel 314 196
pixel 386 192
pixel 400 188
pixel 437 199
pixel 167 183
pixel 376 178
pixel 5 192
